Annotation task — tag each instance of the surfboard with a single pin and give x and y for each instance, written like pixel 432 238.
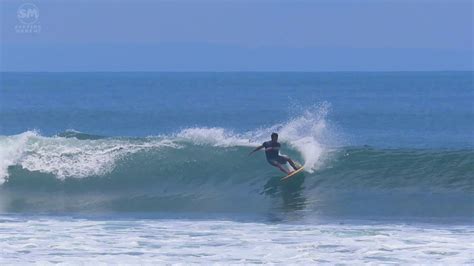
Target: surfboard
pixel 293 173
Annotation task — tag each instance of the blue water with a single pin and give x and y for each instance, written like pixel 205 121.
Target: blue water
pixel 384 109
pixel 168 151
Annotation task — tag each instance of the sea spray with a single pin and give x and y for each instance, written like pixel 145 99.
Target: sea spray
pixel 305 132
pixel 214 136
pixel 11 151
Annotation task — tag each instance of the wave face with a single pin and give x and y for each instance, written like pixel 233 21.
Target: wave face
pixel 208 170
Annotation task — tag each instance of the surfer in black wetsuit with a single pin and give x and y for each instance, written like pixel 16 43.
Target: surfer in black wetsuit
pixel 272 151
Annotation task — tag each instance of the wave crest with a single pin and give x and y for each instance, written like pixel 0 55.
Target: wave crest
pixel 68 156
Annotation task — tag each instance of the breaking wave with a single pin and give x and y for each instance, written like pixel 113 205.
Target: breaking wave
pixel 209 170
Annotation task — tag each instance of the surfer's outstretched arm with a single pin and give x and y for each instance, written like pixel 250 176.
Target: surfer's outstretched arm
pixel 256 149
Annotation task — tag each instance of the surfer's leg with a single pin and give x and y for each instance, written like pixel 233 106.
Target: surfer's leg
pixel 279 166
pixel 293 164
pixel 290 161
pixel 283 169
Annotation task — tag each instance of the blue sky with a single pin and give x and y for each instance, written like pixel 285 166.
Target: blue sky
pixel 261 35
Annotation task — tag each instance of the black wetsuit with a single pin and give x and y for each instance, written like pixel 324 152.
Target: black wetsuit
pixel 273 154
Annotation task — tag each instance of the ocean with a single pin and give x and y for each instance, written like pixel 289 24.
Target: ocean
pixel 153 167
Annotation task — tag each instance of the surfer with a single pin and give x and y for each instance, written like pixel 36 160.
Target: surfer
pixel 272 151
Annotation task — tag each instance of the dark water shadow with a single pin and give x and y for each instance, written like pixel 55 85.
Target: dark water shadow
pixel 290 191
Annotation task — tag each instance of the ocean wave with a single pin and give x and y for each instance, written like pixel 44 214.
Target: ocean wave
pixel 182 176
pixel 208 169
pixel 76 154
pixel 183 158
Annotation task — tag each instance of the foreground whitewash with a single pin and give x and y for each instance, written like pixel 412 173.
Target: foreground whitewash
pixel 71 240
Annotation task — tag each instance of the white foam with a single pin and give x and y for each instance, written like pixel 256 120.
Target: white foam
pixel 214 136
pixel 67 157
pixel 11 151
pixel 47 240
pixel 305 133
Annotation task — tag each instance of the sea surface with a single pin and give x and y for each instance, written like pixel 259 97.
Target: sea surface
pixel 150 167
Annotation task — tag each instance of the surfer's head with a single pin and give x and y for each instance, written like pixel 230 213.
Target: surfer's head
pixel 274 137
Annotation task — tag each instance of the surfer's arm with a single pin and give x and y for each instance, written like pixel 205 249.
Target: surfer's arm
pixel 256 149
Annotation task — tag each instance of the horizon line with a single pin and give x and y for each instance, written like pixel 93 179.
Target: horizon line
pixel 229 71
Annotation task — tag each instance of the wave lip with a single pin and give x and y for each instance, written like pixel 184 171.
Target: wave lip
pixel 71 133
pixel 68 156
pixel 214 136
pixel 12 150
